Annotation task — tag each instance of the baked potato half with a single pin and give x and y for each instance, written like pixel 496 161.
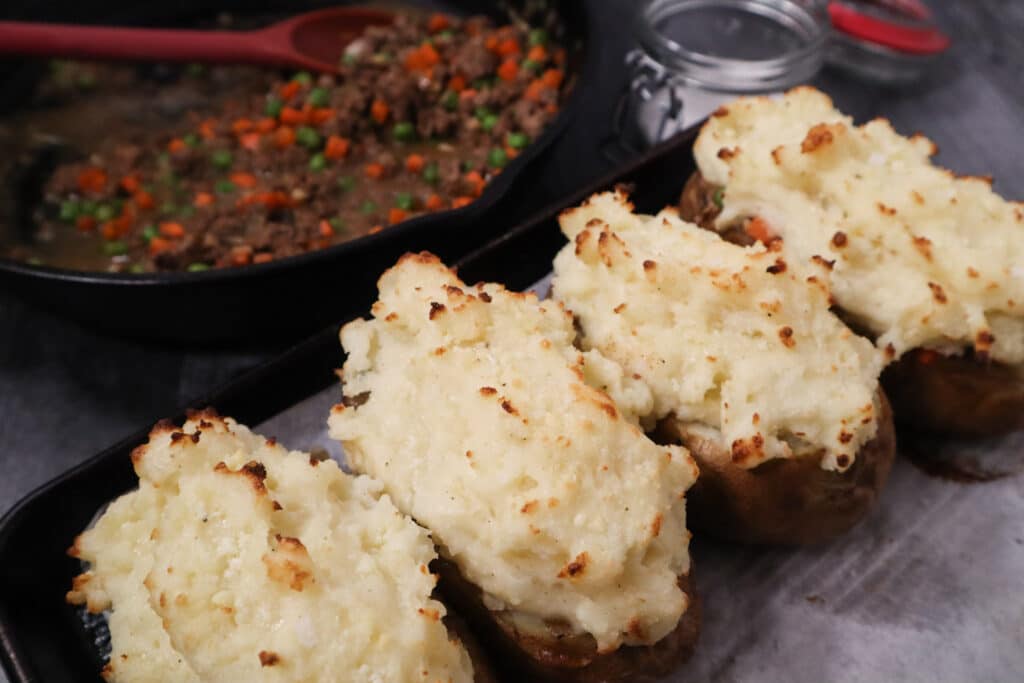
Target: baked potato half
pixel 958 396
pixel 553 653
pixel 790 501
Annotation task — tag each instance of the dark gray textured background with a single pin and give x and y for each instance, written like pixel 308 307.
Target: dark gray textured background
pixel 66 392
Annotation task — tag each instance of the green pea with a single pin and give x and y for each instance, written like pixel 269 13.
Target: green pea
pixel 307 137
pixel 530 65
pixel 163 158
pixel 517 140
pixel 404 131
pixel 319 97
pixel 88 207
pixel 346 183
pixel 136 268
pixel 337 224
pixel 446 34
pixel 105 212
pixel 483 83
pixel 368 207
pixel 404 201
pixel 303 78
pixel 718 196
pixel 149 232
pixel 115 248
pixel 195 69
pixel 225 187
pixel 466 166
pixel 86 81
pixel 34 261
pixel 273 107
pixel 192 140
pixel 197 267
pixel 450 100
pixel 187 211
pixel 497 157
pixel 538 36
pixel 381 58
pixel 317 162
pixel 431 173
pixel 222 158
pixel 350 59
pixel 168 208
pixel 482 112
pixel 489 122
pixel 69 210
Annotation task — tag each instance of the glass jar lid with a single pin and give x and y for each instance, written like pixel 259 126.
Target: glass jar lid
pixel 735 46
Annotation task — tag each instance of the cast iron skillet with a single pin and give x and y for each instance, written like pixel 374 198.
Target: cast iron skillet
pixel 294 296
pixel 41 637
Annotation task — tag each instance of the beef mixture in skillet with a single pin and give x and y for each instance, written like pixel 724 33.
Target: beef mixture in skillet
pixel 424 113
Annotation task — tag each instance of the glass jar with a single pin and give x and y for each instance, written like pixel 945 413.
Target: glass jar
pixel 695 55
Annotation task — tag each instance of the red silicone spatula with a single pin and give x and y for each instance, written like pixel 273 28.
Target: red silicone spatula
pixel 314 41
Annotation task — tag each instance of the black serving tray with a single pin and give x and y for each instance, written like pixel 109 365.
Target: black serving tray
pixel 290 298
pixel 41 637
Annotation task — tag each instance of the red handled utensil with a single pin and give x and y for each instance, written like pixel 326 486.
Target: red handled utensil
pixel 313 41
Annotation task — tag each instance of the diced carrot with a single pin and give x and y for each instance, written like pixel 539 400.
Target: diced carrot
pixel 552 108
pixel 325 228
pixel 176 145
pixel 172 229
pixel 204 199
pixel 320 115
pixel 457 83
pixel 434 203
pixel 284 137
pixel 263 258
pixel 250 141
pixel 375 229
pixel 375 171
pixel 511 152
pixel 243 179
pixel 537 54
pixel 534 90
pixel 492 43
pixel 437 22
pixel 241 255
pixel 414 163
pixel 508 70
pixel 276 199
pixel 429 55
pixel 143 200
pixel 552 78
pixel 109 231
pixel 759 229
pixel 290 89
pixel 292 116
pixel 396 215
pixel 240 126
pixel 467 95
pixel 266 124
pixel 476 182
pixel 559 57
pixel 85 223
pixel 509 47
pixel 158 245
pixel 927 356
pixel 207 130
pixel 460 202
pixel 130 184
pixel 379 111
pixel 92 179
pixel 336 147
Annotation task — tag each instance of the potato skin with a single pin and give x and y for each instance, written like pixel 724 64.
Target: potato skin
pixel 958 396
pixel 567 658
pixel 784 501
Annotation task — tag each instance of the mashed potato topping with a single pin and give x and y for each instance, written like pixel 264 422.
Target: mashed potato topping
pixel 236 560
pixel 474 409
pixel 920 257
pixel 732 338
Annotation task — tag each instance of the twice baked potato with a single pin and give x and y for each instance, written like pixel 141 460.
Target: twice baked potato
pixel 744 363
pixel 561 525
pixel 908 265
